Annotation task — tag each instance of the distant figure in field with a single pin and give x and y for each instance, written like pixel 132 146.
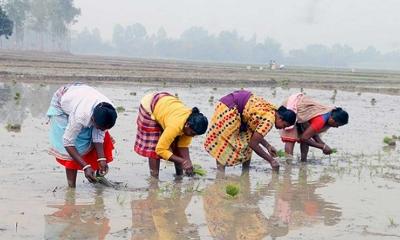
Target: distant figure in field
pixel 165 127
pixel 240 122
pixel 79 119
pixel 313 118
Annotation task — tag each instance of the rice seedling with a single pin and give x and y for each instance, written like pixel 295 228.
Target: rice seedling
pixel 121 199
pixel 120 109
pixel 274 93
pixel 389 141
pixel 17 96
pixel 281 153
pixel 232 190
pixel 392 223
pixel 132 93
pixel 13 127
pixel 198 170
pixel 334 150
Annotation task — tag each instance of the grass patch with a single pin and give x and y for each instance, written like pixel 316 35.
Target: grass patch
pixel 232 190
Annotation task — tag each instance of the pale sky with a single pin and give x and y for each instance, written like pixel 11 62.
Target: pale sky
pixel 294 23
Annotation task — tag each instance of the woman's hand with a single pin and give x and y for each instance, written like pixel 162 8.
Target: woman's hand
pixel 326 150
pixel 89 174
pixel 272 151
pixel 103 167
pixel 274 164
pixel 188 167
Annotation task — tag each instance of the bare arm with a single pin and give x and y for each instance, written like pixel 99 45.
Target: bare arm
pixel 311 137
pixel 183 158
pixel 89 174
pixel 318 139
pixel 100 155
pixel 254 144
pixel 271 149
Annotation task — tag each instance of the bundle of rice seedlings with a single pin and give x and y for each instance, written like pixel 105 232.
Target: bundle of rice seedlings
pixel 232 190
pixel 198 170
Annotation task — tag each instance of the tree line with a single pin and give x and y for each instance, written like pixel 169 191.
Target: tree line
pixel 196 43
pixel 39 24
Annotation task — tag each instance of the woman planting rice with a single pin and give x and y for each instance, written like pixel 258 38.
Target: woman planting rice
pixel 240 122
pixel 165 127
pixel 313 118
pixel 79 119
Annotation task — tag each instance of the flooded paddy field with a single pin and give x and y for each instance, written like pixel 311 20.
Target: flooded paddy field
pixel 353 194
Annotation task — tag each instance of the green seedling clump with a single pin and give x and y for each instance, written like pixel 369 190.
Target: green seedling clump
pixel 17 96
pixel 281 153
pixel 13 127
pixel 389 141
pixel 120 109
pixel 232 190
pixel 198 170
pixel 334 150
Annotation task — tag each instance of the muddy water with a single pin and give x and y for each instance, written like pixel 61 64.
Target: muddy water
pixel 351 194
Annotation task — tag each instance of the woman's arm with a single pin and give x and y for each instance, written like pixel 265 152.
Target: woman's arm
pixel 71 133
pixel 271 149
pixel 89 174
pixel 182 157
pixel 101 156
pixel 98 142
pixel 318 139
pixel 311 137
pixel 254 144
pixel 163 148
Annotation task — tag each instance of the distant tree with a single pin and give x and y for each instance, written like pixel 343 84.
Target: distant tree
pixel 39 21
pixel 61 14
pixel 266 51
pixel 6 25
pixel 90 42
pixel 17 10
pixel 197 44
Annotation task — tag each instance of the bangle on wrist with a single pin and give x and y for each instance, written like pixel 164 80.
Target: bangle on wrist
pixel 86 166
pixel 324 147
pixel 101 159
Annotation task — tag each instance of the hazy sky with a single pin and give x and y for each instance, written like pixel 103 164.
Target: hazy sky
pixel 294 23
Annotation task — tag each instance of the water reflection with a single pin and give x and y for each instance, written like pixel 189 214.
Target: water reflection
pixel 161 215
pixel 19 100
pixel 77 221
pixel 294 204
